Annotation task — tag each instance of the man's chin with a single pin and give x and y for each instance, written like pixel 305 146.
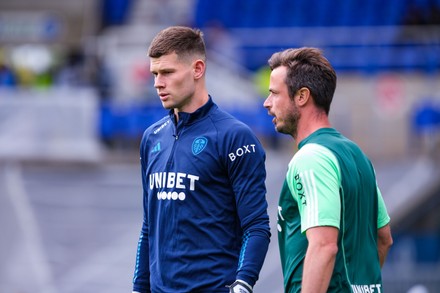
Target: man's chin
pixel 167 106
pixel 282 130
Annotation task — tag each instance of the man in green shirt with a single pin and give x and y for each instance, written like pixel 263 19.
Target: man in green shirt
pixel 333 227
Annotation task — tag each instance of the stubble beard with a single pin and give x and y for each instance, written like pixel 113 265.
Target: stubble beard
pixel 290 125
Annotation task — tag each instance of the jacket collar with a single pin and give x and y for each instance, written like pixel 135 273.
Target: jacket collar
pixel 188 118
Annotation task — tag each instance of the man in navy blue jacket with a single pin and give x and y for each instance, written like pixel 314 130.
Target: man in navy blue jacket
pixel 205 226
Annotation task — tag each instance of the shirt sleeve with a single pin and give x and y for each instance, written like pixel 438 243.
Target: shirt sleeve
pixel 314 180
pixel 141 278
pixel 247 173
pixel 382 216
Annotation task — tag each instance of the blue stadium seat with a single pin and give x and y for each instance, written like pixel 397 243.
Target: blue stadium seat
pixel 276 13
pixel 334 13
pixel 393 12
pixel 229 13
pixel 348 14
pixel 413 58
pixel 202 13
pixel 426 116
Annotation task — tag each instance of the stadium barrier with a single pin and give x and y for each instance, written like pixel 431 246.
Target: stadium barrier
pixel 54 125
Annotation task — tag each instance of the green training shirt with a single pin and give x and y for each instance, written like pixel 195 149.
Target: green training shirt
pixel 330 182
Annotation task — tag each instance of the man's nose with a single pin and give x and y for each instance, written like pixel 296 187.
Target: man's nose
pixel 266 103
pixel 158 82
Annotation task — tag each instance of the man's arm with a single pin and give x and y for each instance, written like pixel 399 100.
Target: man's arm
pixel 247 175
pixel 384 238
pixel 141 278
pixel 320 258
pixel 384 242
pixel 314 179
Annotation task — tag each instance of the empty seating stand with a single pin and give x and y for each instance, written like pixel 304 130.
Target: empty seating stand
pixel 385 45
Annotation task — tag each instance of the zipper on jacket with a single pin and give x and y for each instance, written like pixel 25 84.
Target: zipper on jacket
pixel 176 135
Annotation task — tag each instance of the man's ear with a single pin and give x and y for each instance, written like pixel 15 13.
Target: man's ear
pixel 303 96
pixel 199 68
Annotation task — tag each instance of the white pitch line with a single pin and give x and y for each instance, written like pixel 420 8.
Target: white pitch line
pixel 28 224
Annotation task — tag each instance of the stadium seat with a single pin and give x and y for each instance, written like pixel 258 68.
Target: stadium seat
pixel 388 50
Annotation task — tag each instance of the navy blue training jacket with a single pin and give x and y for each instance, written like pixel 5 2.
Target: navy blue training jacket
pixel 205 212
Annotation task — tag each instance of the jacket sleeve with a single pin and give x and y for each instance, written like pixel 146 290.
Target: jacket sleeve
pixel 247 172
pixel 141 279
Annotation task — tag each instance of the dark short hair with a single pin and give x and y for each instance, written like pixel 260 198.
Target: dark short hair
pixel 307 67
pixel 184 41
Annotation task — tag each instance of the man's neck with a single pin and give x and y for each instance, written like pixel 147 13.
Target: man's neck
pixel 309 126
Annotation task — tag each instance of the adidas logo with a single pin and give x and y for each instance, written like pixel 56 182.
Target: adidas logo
pixel 156 148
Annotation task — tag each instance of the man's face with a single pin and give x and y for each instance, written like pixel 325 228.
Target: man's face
pixel 280 105
pixel 173 80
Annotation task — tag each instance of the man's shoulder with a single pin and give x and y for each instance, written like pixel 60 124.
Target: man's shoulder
pixel 227 122
pixel 314 156
pixel 158 126
pixel 313 149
